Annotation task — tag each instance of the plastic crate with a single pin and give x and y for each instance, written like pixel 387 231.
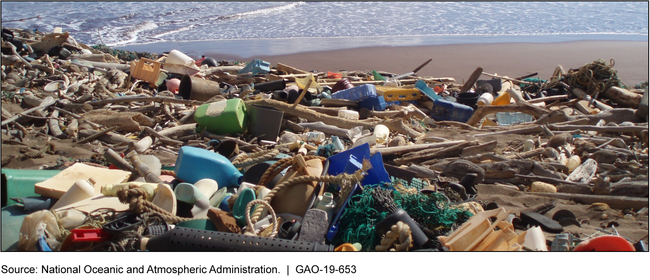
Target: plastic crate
pixel 356 93
pixel 399 94
pixel 147 70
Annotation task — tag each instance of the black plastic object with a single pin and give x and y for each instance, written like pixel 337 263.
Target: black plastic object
pixel 494 83
pixel 33 204
pixel 641 246
pixel 468 98
pixel 460 189
pixel 400 173
pixel 289 230
pixel 156 230
pixel 334 226
pixel 546 223
pixel 255 173
pixel 227 149
pixel 491 206
pixel 127 222
pixel 187 239
pixel 419 238
pixel 566 218
pixel 469 181
pixel 271 86
pixel 209 61
pixel 265 122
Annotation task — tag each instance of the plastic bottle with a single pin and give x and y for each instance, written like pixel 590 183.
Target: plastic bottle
pixel 194 164
pixel 381 132
pixel 349 114
pixel 313 136
pixel 328 205
pixel 485 99
pixel 80 190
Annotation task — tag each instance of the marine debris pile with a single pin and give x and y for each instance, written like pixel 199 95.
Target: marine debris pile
pixel 133 151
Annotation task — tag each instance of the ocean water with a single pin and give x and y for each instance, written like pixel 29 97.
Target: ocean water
pixel 247 29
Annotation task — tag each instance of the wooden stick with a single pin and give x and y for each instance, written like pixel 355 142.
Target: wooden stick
pixel 422 66
pixel 616 202
pixel 598 128
pixel 43 105
pixel 146 98
pixel 581 94
pixel 550 180
pixel 96 135
pixel 304 91
pixel 472 79
pixel 508 78
pixel 526 130
pixel 410 148
pixel 525 108
pixel 163 138
pixel 428 154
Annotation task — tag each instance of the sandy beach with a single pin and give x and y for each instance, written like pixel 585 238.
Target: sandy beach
pixel 458 61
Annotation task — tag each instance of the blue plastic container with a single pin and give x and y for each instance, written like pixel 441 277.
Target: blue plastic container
pixel 356 93
pixel 444 110
pixel 257 66
pixel 377 103
pixel 194 164
pixel 351 160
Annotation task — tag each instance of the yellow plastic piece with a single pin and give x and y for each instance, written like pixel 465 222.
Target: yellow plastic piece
pixel 146 69
pixel 398 93
pixel 503 99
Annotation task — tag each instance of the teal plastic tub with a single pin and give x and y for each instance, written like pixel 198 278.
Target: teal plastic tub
pixel 20 183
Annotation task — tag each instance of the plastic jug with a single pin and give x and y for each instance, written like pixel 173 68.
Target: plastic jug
pixel 223 117
pixel 194 164
pixel 351 160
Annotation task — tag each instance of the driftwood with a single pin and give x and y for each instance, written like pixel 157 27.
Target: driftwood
pixel 329 129
pixel 313 116
pixel 472 79
pixel 53 123
pixel 333 111
pixel 550 180
pixel 108 137
pixel 623 97
pixel 94 134
pixel 479 149
pixel 581 94
pixel 146 98
pixel 162 138
pixel 526 130
pixel 416 147
pixel 483 111
pixel 614 129
pixel 46 103
pixel 434 153
pixel 615 202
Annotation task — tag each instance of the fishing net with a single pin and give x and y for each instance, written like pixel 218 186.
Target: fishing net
pixel 594 78
pixel 431 212
pixel 125 55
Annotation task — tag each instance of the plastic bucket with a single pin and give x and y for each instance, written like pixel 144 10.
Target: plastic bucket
pixel 265 122
pixel 198 89
pixel 177 57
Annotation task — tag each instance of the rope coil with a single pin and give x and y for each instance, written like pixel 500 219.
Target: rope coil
pixel 136 197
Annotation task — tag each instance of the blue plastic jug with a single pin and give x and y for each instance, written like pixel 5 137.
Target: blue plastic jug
pixel 194 164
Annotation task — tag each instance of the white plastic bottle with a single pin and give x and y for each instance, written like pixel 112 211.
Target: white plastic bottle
pixel 328 205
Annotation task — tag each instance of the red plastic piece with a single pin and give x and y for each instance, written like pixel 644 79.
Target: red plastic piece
pixel 607 243
pixel 89 235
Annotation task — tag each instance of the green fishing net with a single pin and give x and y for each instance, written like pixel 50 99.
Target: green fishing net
pixel 125 55
pixel 432 212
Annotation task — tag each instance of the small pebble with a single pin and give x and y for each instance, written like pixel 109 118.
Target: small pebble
pixel 604 216
pixel 629 217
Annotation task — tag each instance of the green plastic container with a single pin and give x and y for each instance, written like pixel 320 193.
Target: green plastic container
pixel 20 183
pixel 223 117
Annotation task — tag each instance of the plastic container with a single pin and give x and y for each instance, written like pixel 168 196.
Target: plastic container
pixel 146 69
pixel 351 160
pixel 468 98
pixel 223 117
pixel 177 57
pixel 328 205
pixel 573 162
pixel 485 99
pixel 444 110
pixel 257 66
pixel 398 93
pixel 349 114
pixel 356 93
pixel 381 132
pixel 642 111
pixel 173 85
pixel 265 122
pixel 376 103
pixel 80 190
pixel 271 86
pixel 195 88
pixel 194 164
pixel 503 99
pixel 342 84
pixel 313 136
pixel 509 118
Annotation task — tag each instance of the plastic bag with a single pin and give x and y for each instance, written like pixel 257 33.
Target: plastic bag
pixel 29 231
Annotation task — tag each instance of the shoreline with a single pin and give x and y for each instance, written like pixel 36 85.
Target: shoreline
pixel 460 60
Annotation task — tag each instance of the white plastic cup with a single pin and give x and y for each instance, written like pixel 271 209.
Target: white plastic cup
pixel 381 132
pixel 485 99
pixel 80 190
pixel 349 114
pixel 177 57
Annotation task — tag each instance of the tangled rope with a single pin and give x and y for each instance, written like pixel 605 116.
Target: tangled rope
pixel 250 229
pixel 254 158
pixel 595 78
pixel 398 235
pixel 343 179
pixel 136 197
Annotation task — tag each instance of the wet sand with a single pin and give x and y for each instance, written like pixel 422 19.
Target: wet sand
pixel 459 61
